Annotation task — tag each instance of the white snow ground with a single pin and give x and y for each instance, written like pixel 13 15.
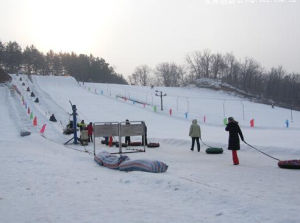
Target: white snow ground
pixel 41 180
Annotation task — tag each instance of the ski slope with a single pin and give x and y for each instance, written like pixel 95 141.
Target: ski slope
pixel 42 180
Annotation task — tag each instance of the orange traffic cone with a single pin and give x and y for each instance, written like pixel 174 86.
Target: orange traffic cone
pixel 110 141
pixel 43 129
pixel 35 121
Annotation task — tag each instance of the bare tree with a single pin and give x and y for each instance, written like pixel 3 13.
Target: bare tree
pixel 217 65
pixel 249 69
pixel 170 74
pixel 141 76
pixel 199 64
pixel 194 65
pixel 231 68
pixel 205 62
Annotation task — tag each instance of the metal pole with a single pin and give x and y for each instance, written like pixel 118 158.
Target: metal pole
pixel 120 138
pixel 74 124
pixel 291 113
pixel 161 102
pixel 188 104
pixel 243 111
pixel 94 139
pixel 224 108
pixel 177 103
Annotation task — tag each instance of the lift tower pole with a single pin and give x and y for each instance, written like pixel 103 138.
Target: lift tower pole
pixel 161 95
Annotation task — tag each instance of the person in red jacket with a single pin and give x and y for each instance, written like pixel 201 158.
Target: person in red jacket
pixel 90 131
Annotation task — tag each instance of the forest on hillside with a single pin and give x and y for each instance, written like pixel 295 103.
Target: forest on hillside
pixel 274 86
pixel 14 59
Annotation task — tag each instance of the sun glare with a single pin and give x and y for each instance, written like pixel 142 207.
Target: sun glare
pixel 69 25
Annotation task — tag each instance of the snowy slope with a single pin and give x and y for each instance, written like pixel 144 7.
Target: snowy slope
pixel 97 107
pixel 43 181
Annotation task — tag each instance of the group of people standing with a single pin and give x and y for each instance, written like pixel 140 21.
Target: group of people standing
pixel 82 126
pixel 235 134
pixel 232 127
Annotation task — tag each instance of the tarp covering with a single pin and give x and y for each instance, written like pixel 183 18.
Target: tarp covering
pixel 123 163
pixel 152 166
pixel 108 160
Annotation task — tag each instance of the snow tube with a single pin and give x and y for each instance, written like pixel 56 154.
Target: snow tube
pixel 108 160
pixel 289 164
pixel 24 133
pixel 152 166
pixel 68 131
pixel 153 145
pixel 123 144
pixel 135 144
pixel 104 142
pixel 212 150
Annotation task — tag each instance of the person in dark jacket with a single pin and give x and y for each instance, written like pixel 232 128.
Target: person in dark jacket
pixel 234 141
pixel 90 132
pixel 52 118
pixel 127 138
pixel 195 133
pixel 144 138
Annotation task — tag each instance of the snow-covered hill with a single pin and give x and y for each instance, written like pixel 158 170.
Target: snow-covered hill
pixel 41 180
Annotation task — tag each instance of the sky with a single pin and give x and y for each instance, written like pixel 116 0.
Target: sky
pixel 130 33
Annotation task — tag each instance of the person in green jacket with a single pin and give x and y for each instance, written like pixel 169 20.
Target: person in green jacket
pixel 195 133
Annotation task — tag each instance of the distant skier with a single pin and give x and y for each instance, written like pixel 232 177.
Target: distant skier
pixel 37 100
pixel 52 118
pixel 127 138
pixel 287 123
pixel 195 133
pixel 90 131
pixel 234 141
pixel 32 94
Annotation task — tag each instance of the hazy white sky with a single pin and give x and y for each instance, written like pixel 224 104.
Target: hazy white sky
pixel 129 33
